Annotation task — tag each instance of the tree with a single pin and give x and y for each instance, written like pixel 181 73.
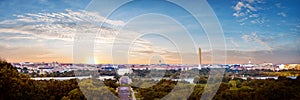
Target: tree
pixel 75 94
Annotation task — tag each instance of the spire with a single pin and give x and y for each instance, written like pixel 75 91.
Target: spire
pixel 199 53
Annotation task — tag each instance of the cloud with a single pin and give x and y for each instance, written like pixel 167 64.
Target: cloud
pixel 247 11
pixel 253 37
pixel 246 38
pixel 250 7
pixel 278 5
pixel 57 25
pixel 145 49
pixel 258 21
pixel 238 6
pixel 17 38
pixel 242 9
pixel 59 30
pixel 234 43
pixel 239 14
pixel 68 16
pixel 282 14
pixel 250 1
pixel 235 14
pixel 253 15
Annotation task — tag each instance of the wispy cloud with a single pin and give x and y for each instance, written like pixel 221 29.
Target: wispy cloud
pixel 68 16
pixel 58 25
pixel 239 6
pixel 278 5
pixel 250 7
pixel 282 14
pixel 67 27
pixel 244 9
pixel 248 11
pixel 233 42
pixel 253 37
pixel 70 26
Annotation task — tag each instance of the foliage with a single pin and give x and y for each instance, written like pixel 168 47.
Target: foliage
pixel 15 86
pixel 234 89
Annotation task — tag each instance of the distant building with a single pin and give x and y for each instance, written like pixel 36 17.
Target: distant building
pixel 122 71
pixel 293 66
pixel 267 64
pixel 124 80
pixel 281 66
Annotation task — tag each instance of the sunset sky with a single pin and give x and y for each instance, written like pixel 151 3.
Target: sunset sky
pixel 57 30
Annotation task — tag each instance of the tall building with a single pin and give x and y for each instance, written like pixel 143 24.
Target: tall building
pixel 199 53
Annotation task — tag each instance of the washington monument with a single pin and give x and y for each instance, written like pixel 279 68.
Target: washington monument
pixel 199 53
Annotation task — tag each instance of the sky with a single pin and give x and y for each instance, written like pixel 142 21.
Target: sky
pixel 149 31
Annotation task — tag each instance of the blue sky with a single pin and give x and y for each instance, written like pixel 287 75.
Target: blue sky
pixel 44 30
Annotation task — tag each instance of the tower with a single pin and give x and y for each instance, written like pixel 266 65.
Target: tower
pixel 199 53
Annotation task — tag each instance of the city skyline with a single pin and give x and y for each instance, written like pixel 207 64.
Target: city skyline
pixel 44 31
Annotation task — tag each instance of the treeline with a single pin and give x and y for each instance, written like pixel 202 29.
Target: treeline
pixel 174 74
pixel 230 89
pixel 269 89
pixel 16 86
